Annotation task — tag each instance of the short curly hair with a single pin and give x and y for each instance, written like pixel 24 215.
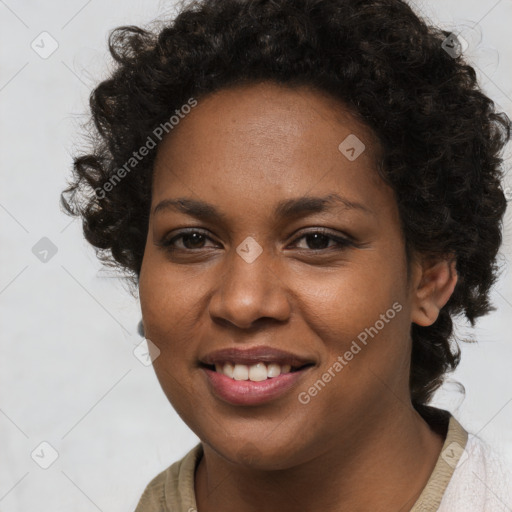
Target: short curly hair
pixel 441 135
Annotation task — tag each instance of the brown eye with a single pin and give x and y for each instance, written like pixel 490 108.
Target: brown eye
pixel 190 240
pixel 319 240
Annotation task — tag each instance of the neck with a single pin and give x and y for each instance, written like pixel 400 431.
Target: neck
pixel 385 470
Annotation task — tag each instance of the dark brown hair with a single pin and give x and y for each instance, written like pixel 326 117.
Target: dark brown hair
pixel 442 137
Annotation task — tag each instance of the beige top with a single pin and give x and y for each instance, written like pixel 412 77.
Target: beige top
pixel 172 490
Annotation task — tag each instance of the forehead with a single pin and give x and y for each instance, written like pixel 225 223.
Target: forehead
pixel 267 140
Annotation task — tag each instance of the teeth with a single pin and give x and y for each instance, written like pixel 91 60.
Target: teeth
pixel 258 372
pixel 227 370
pixel 240 372
pixel 273 370
pixel 255 373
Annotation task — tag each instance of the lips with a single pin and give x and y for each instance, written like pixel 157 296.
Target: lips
pixel 240 390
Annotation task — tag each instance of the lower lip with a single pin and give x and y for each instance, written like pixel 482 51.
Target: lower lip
pixel 247 392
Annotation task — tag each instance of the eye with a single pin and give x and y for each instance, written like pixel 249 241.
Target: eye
pixel 192 239
pixel 319 240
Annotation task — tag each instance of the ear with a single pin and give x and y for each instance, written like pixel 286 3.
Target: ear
pixel 433 284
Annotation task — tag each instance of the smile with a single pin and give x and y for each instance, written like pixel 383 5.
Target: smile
pixel 259 383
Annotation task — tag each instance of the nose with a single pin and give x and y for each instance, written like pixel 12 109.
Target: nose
pixel 249 291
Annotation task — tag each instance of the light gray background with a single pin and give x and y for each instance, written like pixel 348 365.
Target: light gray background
pixel 68 374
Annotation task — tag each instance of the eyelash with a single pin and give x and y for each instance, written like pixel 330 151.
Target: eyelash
pixel 342 242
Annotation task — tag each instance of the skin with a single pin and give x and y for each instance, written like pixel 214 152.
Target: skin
pixel 359 444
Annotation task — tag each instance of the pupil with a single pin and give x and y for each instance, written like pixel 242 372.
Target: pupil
pixel 318 238
pixel 197 238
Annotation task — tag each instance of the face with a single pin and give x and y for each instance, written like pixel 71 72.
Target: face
pixel 259 266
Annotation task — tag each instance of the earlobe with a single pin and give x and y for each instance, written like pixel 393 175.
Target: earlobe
pixel 140 328
pixel 434 286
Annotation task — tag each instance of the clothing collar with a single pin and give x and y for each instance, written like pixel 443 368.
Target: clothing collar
pixel 175 485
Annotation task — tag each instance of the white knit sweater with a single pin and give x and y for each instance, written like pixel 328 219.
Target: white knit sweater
pixel 480 483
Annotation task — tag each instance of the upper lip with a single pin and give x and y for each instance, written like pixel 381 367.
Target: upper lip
pixel 253 355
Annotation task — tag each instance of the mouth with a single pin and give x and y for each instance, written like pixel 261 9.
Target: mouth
pixel 253 375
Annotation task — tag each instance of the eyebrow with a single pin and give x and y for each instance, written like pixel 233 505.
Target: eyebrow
pixel 288 208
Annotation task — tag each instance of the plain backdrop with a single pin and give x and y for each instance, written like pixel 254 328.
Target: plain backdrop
pixel 68 375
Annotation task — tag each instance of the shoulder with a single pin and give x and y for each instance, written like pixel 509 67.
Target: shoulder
pixel 481 481
pixel 469 475
pixel 173 488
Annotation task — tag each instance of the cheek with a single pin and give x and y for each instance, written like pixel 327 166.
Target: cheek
pixel 171 302
pixel 168 322
pixel 359 311
pixel 155 287
pixel 351 297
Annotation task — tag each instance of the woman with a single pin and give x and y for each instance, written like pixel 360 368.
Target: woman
pixel 305 193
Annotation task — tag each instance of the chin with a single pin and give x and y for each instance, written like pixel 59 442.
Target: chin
pixel 260 456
